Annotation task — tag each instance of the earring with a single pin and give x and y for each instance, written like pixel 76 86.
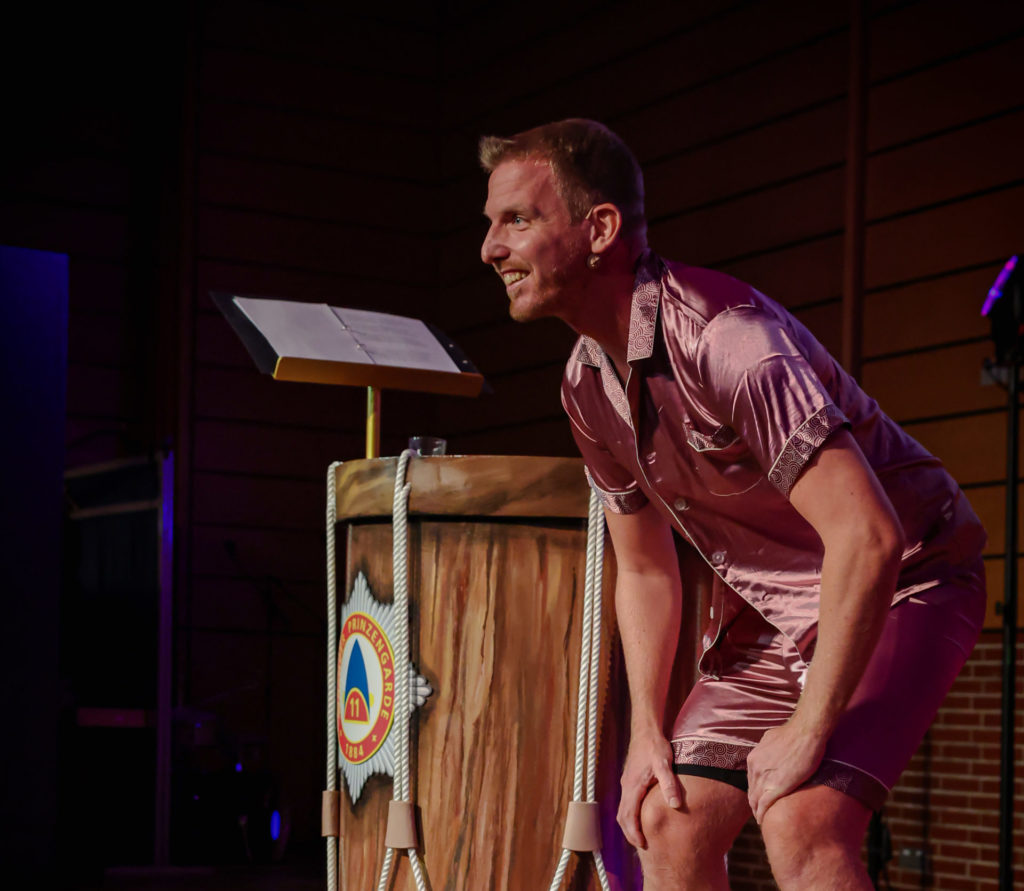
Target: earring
pixel 593 261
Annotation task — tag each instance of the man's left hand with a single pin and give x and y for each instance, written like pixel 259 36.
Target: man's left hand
pixel 784 759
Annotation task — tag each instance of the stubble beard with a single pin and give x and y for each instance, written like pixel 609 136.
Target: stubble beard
pixel 560 294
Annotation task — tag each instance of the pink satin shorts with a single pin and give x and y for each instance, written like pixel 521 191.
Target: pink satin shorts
pixel 924 644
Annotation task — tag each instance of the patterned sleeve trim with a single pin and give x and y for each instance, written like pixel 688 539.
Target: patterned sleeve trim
pixel 804 442
pixel 628 502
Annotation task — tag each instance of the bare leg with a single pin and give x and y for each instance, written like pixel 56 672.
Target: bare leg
pixel 813 837
pixel 686 848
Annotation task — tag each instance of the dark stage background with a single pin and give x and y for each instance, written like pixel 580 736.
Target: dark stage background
pixel 317 151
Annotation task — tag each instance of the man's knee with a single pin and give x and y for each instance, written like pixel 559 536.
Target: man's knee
pixel 703 828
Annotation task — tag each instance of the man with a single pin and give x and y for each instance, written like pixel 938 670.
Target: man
pixel 703 407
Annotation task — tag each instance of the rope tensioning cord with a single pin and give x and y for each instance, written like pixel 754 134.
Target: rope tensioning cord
pixel 401 829
pixel 331 801
pixel 582 823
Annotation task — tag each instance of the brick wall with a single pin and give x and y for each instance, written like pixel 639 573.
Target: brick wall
pixel 946 804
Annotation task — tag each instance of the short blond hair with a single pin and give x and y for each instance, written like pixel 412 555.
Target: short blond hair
pixel 591 164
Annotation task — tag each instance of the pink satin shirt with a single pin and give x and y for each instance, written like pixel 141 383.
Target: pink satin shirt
pixel 728 397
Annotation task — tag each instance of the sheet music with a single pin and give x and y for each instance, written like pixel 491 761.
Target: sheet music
pixel 306 330
pixel 395 340
pixel 319 331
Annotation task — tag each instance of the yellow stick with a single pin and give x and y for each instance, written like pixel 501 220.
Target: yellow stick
pixel 372 422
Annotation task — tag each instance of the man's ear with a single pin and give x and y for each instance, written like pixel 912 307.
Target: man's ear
pixel 605 227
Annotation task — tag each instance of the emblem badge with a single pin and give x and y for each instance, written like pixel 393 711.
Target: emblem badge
pixel 367 679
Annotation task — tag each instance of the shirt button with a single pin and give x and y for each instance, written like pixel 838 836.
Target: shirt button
pixel 718 558
pixel 680 504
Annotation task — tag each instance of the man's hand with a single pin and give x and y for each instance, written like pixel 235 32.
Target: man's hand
pixel 783 760
pixel 648 762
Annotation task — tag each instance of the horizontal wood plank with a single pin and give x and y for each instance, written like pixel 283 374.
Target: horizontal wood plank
pixel 755 222
pixel 294 557
pixel 750 159
pixel 976 230
pixel 962 89
pixel 931 312
pixel 270 449
pixel 936 382
pixel 913 35
pixel 256 502
pixel 477 485
pixel 949 166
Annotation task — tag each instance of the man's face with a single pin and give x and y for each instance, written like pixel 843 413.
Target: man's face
pixel 532 243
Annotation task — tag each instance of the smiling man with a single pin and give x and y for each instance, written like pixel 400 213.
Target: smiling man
pixel 702 407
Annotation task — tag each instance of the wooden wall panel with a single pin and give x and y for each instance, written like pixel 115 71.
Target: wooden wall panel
pixel 247 501
pixel 507 345
pixel 270 450
pixel 754 223
pixel 673 58
pixel 976 230
pixel 932 383
pixel 779 150
pixel 989 503
pixel 918 34
pixel 570 46
pixel 261 605
pixel 972 448
pixel 548 436
pixel 294 556
pixel 938 310
pixel 960 89
pixel 825 322
pixel 507 406
pixel 797 275
pixel 950 165
pixel 752 94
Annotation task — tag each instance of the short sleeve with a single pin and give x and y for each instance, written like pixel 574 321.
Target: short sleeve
pixel 614 484
pixel 756 377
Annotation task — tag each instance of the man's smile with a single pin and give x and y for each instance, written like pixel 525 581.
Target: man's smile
pixel 511 276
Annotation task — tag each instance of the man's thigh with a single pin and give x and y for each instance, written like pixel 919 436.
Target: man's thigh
pixel 924 644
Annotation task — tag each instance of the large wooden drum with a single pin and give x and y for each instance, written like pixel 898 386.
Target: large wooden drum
pixel 496 578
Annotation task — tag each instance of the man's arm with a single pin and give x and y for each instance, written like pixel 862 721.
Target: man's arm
pixel 647 608
pixel 840 496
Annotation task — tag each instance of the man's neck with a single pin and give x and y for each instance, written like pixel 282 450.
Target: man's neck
pixel 605 314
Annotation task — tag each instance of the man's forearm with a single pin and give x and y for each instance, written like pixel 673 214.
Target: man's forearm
pixel 647 609
pixel 857 584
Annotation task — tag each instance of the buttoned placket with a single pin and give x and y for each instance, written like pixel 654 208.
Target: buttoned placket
pixel 679 504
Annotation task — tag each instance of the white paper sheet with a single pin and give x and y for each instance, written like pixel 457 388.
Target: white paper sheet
pixel 319 331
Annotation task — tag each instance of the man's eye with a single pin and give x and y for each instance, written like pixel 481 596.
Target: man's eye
pixel 518 220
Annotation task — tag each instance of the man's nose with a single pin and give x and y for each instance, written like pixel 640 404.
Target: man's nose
pixel 492 249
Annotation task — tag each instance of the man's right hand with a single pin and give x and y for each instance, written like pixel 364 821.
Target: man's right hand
pixel 648 763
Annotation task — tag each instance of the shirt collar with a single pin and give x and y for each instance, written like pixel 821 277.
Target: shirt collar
pixel 643 315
